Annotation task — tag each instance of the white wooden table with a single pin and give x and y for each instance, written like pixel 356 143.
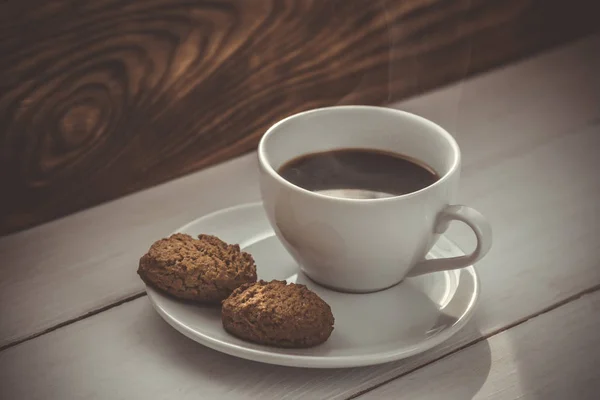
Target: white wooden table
pixel 74 322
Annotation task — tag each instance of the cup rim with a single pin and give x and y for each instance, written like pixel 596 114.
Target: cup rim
pixel 264 161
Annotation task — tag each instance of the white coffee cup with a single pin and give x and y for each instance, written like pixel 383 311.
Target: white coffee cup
pixel 364 245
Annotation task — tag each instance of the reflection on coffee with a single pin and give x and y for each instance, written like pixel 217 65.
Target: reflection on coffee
pixel 358 173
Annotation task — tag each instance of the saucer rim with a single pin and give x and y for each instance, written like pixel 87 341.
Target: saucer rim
pixel 269 356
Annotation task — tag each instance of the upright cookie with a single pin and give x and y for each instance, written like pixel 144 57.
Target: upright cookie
pixel 205 270
pixel 277 314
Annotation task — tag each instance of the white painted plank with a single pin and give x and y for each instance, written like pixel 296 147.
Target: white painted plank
pixel 128 352
pixel 532 173
pixel 554 356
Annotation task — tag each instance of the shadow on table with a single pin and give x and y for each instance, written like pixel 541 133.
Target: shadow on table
pixel 234 377
pixel 558 353
pixel 438 379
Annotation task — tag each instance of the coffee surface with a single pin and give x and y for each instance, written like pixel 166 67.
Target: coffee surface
pixel 358 173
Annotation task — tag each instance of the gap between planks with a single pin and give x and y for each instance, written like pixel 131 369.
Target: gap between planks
pixel 518 322
pixel 468 344
pixel 73 320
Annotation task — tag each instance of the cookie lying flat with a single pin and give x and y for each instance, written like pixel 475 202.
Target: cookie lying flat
pixel 205 270
pixel 277 314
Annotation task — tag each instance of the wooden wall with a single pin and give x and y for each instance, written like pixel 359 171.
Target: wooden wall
pixel 101 98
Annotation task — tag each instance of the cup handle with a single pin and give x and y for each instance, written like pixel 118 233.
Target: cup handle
pixel 479 225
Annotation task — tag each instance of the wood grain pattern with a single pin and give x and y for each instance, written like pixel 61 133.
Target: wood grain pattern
pixel 103 98
pixel 554 357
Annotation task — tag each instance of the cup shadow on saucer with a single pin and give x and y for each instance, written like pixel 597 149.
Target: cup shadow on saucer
pixel 366 320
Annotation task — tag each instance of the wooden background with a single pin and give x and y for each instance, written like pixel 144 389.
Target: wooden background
pixel 102 98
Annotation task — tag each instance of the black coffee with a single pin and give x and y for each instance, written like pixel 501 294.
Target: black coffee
pixel 358 173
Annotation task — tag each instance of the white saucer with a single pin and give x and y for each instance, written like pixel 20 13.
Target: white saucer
pixel 404 320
